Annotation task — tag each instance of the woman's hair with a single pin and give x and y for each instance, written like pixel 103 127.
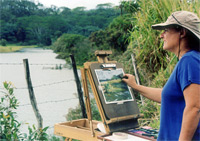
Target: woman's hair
pixel 193 41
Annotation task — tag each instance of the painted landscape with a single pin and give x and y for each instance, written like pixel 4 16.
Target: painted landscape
pixel 113 88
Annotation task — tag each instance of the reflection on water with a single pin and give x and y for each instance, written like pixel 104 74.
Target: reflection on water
pixel 55 89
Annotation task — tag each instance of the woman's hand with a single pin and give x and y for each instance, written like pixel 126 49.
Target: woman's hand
pixel 150 93
pixel 129 80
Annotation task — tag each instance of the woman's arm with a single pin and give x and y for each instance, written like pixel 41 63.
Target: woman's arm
pixel 150 93
pixel 191 113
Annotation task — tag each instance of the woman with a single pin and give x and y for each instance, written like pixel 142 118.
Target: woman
pixel 180 97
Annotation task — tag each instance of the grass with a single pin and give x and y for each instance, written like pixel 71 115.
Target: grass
pixel 13 48
pixel 153 63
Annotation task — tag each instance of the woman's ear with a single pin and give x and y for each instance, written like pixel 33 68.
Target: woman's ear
pixel 183 33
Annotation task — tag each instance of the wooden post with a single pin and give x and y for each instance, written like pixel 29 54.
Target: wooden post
pixel 136 75
pixel 79 88
pixel 31 94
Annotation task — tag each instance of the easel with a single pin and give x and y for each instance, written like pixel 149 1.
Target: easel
pixel 84 129
pixel 102 58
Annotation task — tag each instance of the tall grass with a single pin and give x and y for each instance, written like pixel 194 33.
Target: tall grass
pixel 145 40
pixel 154 64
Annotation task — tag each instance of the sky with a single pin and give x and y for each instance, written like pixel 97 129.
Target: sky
pixel 89 4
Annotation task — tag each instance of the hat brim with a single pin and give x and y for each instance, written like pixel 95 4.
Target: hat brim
pixel 162 26
pixel 196 34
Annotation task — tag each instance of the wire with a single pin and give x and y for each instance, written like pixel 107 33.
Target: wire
pixel 55 101
pixel 44 85
pixel 53 83
pixel 29 64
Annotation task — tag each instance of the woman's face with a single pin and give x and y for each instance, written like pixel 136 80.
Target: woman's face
pixel 171 39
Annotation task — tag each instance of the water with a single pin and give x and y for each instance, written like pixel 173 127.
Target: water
pixel 55 89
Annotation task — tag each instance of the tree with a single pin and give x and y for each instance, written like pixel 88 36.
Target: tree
pixel 8 31
pixel 65 11
pixel 129 6
pixel 17 8
pixel 115 36
pixel 84 52
pixel 30 23
pixel 67 42
pixel 104 6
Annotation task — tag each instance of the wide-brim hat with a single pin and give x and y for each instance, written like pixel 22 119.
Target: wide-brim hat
pixel 184 19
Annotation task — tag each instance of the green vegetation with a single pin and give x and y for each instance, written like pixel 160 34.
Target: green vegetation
pixel 14 48
pixel 69 44
pixel 29 23
pixel 75 113
pixel 153 63
pixel 9 126
pixel 124 30
pixel 3 42
pixel 114 37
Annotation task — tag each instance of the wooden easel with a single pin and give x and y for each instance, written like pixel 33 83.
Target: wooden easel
pixel 85 129
pixel 86 73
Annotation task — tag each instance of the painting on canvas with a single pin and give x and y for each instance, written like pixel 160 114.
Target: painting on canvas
pixel 112 87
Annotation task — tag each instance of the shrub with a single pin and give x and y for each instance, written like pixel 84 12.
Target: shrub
pixel 9 129
pixel 35 134
pixel 75 113
pixel 9 126
pixel 66 43
pixel 3 42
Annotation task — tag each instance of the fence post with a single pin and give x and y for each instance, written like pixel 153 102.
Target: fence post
pixel 136 75
pixel 31 94
pixel 79 88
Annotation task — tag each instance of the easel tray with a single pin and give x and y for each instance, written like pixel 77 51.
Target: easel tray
pixel 77 129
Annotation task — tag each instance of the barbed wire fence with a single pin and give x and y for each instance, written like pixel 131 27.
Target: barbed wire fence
pixel 53 101
pixel 56 66
pixel 42 85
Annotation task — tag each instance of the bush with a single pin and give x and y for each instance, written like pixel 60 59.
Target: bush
pixel 66 43
pixel 151 111
pixel 76 113
pixel 3 42
pixel 9 126
pixel 9 129
pixel 84 52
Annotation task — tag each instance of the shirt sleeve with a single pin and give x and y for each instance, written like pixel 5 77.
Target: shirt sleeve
pixel 188 71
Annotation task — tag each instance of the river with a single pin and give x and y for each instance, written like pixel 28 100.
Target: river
pixel 55 89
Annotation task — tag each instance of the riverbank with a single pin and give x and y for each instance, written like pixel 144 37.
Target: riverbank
pixel 14 48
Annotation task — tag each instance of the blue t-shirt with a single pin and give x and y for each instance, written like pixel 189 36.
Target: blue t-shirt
pixel 186 71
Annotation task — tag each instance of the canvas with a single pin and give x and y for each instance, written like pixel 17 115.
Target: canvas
pixel 114 90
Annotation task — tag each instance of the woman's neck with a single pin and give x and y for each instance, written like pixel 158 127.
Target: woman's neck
pixel 182 49
pixel 182 52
